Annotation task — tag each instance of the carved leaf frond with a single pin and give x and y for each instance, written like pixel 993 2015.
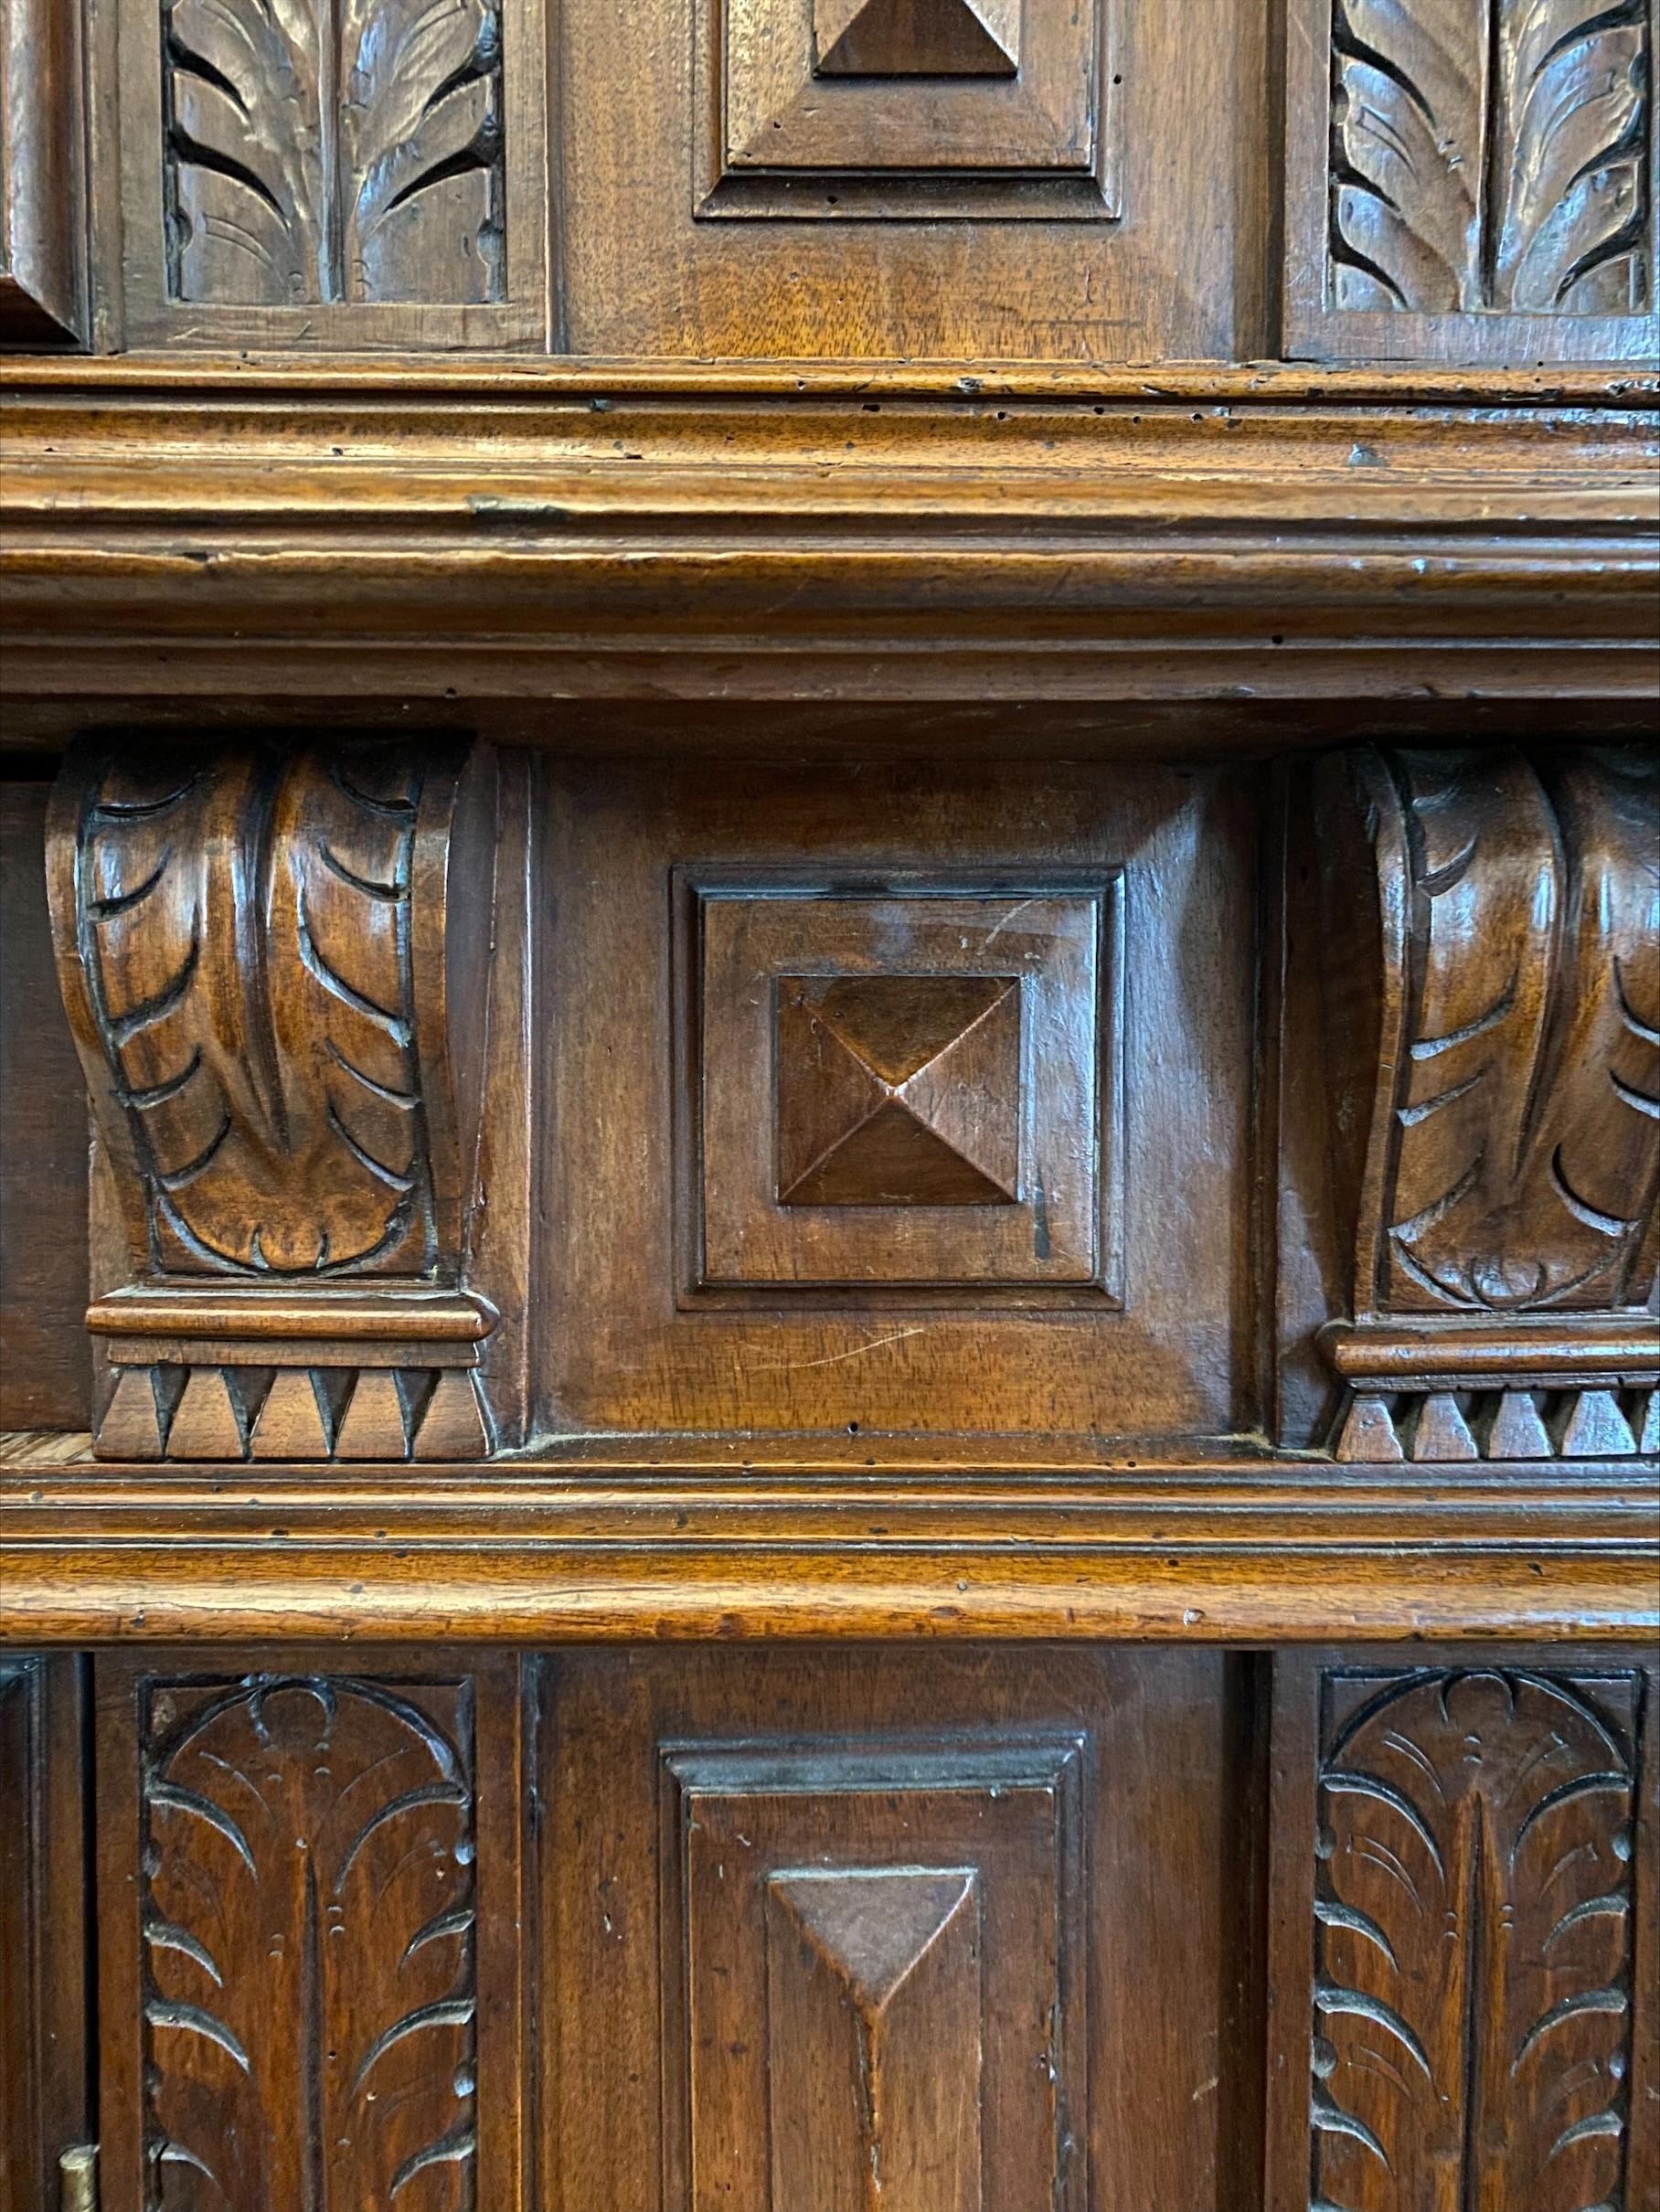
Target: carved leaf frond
pixel 1471 2000
pixel 1527 1100
pixel 245 80
pixel 245 935
pixel 1488 155
pixel 1570 150
pixel 328 1969
pixel 422 132
pixel 1406 152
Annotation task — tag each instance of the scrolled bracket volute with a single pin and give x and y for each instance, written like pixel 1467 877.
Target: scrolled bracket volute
pixel 1493 995
pixel 278 1010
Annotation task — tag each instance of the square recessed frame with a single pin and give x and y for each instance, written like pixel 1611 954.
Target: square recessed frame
pixel 915 1086
pixel 813 109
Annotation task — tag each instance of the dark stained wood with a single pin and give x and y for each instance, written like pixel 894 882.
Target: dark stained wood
pixel 1246 538
pixel 682 1297
pixel 260 958
pixel 612 1544
pixel 865 110
pixel 1026 1817
pixel 45 1923
pixel 309 1973
pixel 871 1241
pixel 1494 1011
pixel 46 1369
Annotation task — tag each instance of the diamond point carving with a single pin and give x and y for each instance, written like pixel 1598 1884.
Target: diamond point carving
pixel 916 37
pixel 899 1090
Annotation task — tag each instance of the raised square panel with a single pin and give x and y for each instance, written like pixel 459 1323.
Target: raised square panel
pixel 915 1087
pixel 874 107
pixel 877 1959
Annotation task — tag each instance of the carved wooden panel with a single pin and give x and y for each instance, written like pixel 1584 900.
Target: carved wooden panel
pixel 1486 184
pixel 853 1138
pixel 890 1934
pixel 906 1929
pixel 43 244
pixel 916 1089
pixel 1476 1892
pixel 304 1997
pixel 44 1920
pixel 257 946
pixel 332 168
pixel 845 109
pixel 1494 994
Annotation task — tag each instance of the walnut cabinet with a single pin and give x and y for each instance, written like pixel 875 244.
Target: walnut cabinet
pixel 829 1106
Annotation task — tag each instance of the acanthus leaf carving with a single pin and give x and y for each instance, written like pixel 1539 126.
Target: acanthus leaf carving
pixel 325 151
pixel 309 1946
pixel 243 961
pixel 1489 155
pixel 1471 2000
pixel 1513 1154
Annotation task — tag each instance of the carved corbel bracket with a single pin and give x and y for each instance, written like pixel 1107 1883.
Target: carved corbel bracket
pixel 280 1011
pixel 1493 995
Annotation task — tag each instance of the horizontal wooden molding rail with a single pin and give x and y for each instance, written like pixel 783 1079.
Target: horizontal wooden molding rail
pixel 517 1553
pixel 1172 537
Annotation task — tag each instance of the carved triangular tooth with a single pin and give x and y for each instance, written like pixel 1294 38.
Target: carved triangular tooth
pixel 291 1424
pixel 372 1427
pixel 1440 1431
pixel 1369 1436
pixel 1591 1426
pixel 453 1425
pixel 1513 1431
pixel 131 1426
pixel 1648 1442
pixel 208 1424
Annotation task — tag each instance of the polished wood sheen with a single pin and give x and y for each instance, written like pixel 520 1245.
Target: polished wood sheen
pixel 830 1055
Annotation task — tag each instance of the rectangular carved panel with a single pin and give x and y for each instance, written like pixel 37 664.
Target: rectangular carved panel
pixel 851 1140
pixel 871 108
pixel 307 2002
pixel 353 169
pixel 1476 1896
pixel 891 1935
pixel 1471 177
pixel 890 1930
